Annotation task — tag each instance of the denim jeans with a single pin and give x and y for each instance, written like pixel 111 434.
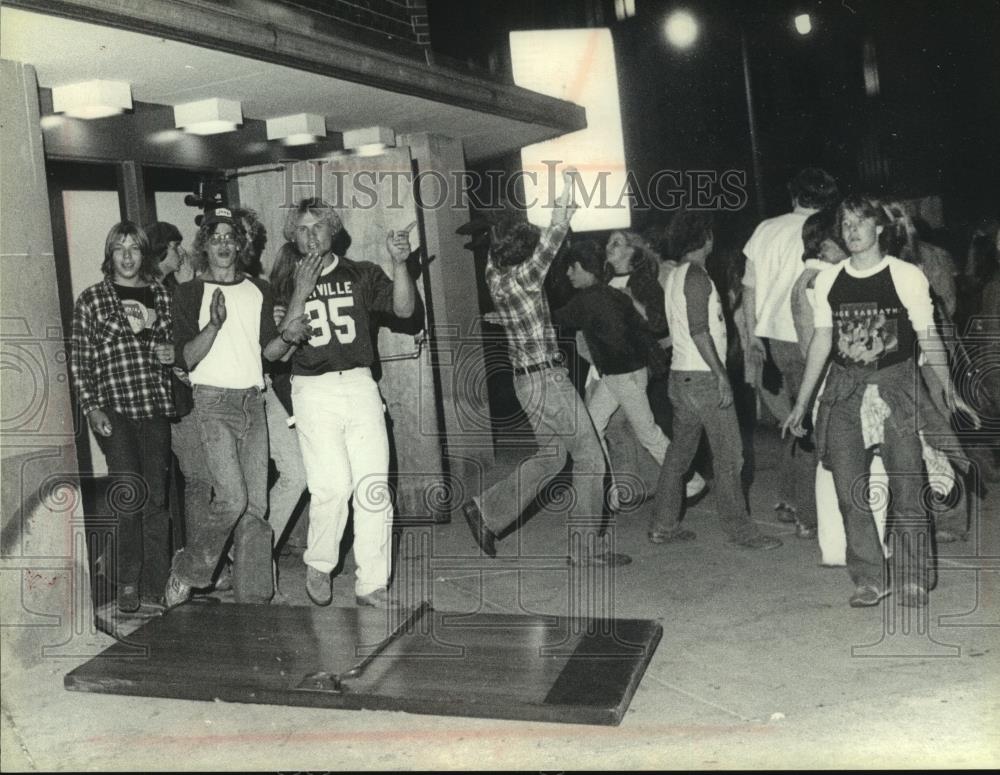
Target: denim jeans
pixel 562 426
pixel 628 393
pixel 234 439
pixel 798 485
pixel 139 448
pixel 185 441
pixel 287 492
pixel 907 528
pixel 695 399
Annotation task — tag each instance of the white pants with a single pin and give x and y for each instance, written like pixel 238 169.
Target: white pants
pixel 341 425
pixel 628 392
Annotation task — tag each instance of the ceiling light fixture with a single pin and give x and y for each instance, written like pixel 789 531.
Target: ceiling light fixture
pixel 92 99
pixel 208 117
pixel 298 129
pixel 371 136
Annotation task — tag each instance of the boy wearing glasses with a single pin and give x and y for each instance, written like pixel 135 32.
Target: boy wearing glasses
pixel 120 362
pixel 224 323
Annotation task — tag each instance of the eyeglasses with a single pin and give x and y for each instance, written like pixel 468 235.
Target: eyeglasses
pixel 122 250
pixel 222 239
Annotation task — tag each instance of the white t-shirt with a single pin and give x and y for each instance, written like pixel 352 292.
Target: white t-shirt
pixel 774 262
pixel 680 283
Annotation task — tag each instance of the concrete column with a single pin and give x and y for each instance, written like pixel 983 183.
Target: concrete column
pixel 460 370
pixel 44 579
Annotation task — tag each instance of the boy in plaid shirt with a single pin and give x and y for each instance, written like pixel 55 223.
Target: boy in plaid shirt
pixel 520 258
pixel 120 362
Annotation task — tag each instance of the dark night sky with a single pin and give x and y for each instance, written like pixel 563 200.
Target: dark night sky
pixel 934 125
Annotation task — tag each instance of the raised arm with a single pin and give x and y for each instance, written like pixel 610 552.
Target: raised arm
pixel 404 292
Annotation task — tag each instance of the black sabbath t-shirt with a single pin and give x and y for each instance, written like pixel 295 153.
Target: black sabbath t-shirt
pixel 140 307
pixel 873 313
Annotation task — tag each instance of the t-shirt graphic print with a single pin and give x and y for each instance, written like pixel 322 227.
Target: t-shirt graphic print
pixel 866 333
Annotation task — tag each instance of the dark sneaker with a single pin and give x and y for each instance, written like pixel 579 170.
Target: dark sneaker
pixel 866 596
pixel 606 558
pixel 670 536
pixel 319 586
pixel 177 591
pixel 377 599
pixel 485 537
pixel 128 598
pixel 804 531
pixel 913 595
pixel 784 512
pixel 756 541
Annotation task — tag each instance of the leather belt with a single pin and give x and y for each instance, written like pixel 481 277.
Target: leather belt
pixel 522 370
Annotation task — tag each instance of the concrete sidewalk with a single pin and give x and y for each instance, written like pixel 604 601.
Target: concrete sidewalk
pixel 762 664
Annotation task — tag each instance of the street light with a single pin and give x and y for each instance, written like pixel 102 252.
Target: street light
pixel 803 24
pixel 681 29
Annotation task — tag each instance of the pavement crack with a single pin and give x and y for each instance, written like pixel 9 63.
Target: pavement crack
pixel 17 734
pixel 696 698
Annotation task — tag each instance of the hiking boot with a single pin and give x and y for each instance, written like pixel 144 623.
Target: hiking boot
pixel 176 592
pixel 379 598
pixel 805 531
pixel 670 536
pixel 784 512
pixel 128 598
pixel 756 541
pixel 606 558
pixel 319 586
pixel 913 595
pixel 866 596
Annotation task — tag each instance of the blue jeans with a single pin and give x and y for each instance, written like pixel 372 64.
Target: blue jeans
pixel 234 440
pixel 139 448
pixel 799 487
pixel 562 426
pixel 185 441
pixel 694 396
pixel 907 526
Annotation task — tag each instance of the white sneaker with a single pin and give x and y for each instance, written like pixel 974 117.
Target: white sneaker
pixel 696 484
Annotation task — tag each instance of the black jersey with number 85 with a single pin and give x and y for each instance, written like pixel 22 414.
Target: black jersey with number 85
pixel 340 309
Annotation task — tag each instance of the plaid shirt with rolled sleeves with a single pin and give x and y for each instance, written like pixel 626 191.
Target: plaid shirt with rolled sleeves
pixel 518 294
pixel 111 367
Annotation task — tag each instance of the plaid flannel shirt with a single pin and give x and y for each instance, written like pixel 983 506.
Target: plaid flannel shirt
pixel 113 368
pixel 518 294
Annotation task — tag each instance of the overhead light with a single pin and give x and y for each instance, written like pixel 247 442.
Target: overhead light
pixel 383 136
pixel 92 99
pixel 370 149
pixel 803 24
pixel 299 129
pixel 208 117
